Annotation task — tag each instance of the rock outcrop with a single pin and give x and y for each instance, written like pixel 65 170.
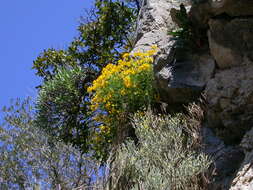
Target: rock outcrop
pixel 153 25
pixel 180 82
pixel 203 10
pixel 223 71
pixel 244 176
pixel 230 92
pixel 231 41
pixel 226 159
pixel 185 78
pixel 230 98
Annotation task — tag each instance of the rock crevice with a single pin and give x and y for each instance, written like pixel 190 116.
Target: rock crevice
pixel 224 72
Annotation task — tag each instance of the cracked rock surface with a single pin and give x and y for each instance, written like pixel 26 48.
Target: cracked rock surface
pixel 223 71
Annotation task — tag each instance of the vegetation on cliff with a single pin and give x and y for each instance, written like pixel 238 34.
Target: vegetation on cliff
pixel 96 122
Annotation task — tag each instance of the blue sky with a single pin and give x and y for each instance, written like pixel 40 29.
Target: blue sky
pixel 27 28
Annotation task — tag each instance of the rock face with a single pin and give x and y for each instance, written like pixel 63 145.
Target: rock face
pixel 231 41
pixel 203 10
pixel 182 81
pixel 227 159
pixel 153 25
pixel 230 98
pixel 230 92
pixel 178 80
pixel 224 72
pixel 244 176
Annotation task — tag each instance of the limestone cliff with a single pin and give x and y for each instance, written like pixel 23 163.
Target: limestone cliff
pixel 220 66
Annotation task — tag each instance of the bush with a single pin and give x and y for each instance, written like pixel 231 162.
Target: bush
pixel 163 159
pixel 120 90
pixel 62 109
pixel 183 35
pixel 31 159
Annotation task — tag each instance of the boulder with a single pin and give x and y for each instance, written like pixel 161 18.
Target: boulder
pixel 154 23
pixel 183 81
pixel 244 176
pixel 230 99
pixel 178 80
pixel 226 160
pixel 182 76
pixel 231 41
pixel 203 10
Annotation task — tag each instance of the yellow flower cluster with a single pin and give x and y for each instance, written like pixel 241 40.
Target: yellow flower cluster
pixel 130 64
pixel 120 88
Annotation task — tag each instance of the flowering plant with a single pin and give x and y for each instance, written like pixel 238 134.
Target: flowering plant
pixel 120 90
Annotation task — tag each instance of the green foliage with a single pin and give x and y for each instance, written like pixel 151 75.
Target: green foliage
pixel 184 34
pixel 121 90
pixel 47 63
pixel 62 109
pixel 162 159
pixel 106 37
pixel 31 159
pixel 103 36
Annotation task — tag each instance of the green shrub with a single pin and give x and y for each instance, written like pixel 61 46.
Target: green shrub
pixel 121 90
pixel 62 109
pixel 31 159
pixel 184 34
pixel 163 158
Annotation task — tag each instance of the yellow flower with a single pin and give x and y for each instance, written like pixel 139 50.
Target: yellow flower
pixel 137 54
pixel 123 92
pixel 90 89
pixel 97 138
pixel 126 55
pixel 104 129
pixel 94 107
pixel 144 67
pixel 127 82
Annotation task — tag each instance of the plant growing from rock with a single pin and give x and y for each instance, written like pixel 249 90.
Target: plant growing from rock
pixel 188 36
pixel 183 35
pixel 163 158
pixel 120 90
pixel 61 108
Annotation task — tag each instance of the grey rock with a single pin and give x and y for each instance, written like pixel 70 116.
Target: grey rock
pixel 231 41
pixel 179 81
pixel 202 11
pixel 228 88
pixel 244 176
pixel 247 141
pixel 183 81
pixel 230 98
pixel 153 24
pixel 226 160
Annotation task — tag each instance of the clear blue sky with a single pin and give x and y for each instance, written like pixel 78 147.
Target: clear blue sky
pixel 27 28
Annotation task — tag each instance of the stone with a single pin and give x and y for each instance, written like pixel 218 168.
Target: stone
pixel 247 141
pixel 154 23
pixel 231 41
pixel 178 80
pixel 203 10
pixel 230 102
pixel 183 81
pixel 233 8
pixel 224 72
pixel 244 176
pixel 226 159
